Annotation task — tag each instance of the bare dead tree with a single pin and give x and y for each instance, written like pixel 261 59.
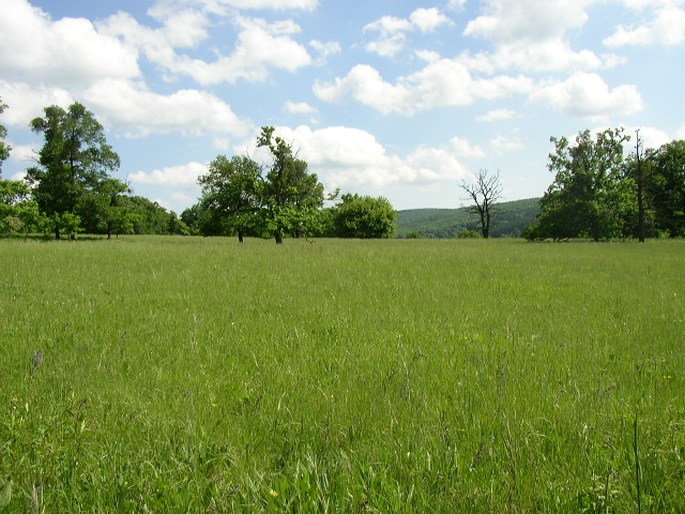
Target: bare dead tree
pixel 484 192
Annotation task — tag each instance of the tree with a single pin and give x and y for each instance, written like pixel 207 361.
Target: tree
pixel 4 147
pixel 291 196
pixel 19 213
pixel 665 187
pixel 73 163
pixel 588 197
pixel 364 217
pixel 484 193
pixel 231 196
pixel 102 208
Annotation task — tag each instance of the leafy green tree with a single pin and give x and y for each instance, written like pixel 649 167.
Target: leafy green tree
pixel 4 147
pixel 102 207
pixel 665 187
pixel 291 195
pixel 73 162
pixel 191 217
pixel 19 213
pixel 364 217
pixel 148 217
pixel 231 196
pixel 588 197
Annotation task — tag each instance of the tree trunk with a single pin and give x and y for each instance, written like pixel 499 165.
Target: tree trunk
pixel 240 236
pixel 279 238
pixel 58 235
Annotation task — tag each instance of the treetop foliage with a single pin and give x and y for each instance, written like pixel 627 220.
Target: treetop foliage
pixel 4 147
pixel 599 193
pixel 241 197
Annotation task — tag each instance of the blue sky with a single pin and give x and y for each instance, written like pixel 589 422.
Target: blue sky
pixel 394 98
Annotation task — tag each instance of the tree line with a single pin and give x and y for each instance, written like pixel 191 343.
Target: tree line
pixel 244 198
pixel 71 189
pixel 599 193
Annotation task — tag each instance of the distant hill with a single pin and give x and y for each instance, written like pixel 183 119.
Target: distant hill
pixel 512 219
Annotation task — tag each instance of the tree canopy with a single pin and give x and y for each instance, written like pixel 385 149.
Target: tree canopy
pixel 291 195
pixel 588 197
pixel 231 196
pixel 364 217
pixel 600 194
pixel 241 197
pixel 72 180
pixel 4 147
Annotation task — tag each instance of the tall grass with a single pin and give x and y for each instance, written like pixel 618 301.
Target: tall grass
pixel 199 375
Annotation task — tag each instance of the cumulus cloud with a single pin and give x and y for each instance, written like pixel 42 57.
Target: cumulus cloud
pixel 325 49
pixel 352 158
pixel 163 8
pixel 365 84
pixel 184 175
pixel 441 83
pixel 503 144
pixel 392 31
pixel 28 101
pixel 298 108
pixel 587 95
pixel 140 112
pixel 534 43
pixel 260 45
pixel 497 115
pixel 23 154
pixel 66 52
pixel 666 27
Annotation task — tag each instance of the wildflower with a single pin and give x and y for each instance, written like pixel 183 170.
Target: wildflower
pixel 273 493
pixel 668 377
pixel 215 405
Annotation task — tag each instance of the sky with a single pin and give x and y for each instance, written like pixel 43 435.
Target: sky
pixel 394 98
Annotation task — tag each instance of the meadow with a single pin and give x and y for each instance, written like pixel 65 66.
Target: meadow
pixel 171 374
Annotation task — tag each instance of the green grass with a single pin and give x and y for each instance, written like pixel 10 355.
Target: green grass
pixel 198 375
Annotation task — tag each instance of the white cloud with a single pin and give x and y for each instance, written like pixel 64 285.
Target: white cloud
pixel 650 137
pixel 587 95
pixel 535 43
pixel 365 84
pixel 23 154
pixel 506 21
pixel 140 112
pixel 392 31
pixel 464 148
pixel 28 101
pixel 497 115
pixel 352 158
pixel 66 52
pixel 667 27
pixel 427 20
pixel 440 83
pixel 298 108
pixel 503 144
pixel 456 5
pixel 325 49
pixel 260 45
pixel 165 8
pixel 184 175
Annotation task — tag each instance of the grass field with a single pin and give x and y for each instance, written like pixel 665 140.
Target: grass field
pixel 198 375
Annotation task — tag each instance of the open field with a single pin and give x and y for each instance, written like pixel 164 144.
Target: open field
pixel 197 375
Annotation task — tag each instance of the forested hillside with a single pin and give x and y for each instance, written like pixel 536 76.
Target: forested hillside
pixel 511 220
